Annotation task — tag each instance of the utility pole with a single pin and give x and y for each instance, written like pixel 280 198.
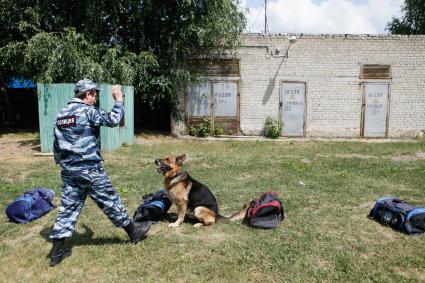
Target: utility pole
pixel 265 16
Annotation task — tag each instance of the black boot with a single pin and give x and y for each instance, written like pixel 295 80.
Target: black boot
pixel 58 252
pixel 137 231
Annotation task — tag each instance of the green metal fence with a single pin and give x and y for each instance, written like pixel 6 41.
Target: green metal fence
pixel 52 98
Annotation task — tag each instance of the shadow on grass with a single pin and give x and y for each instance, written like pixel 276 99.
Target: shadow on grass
pixel 33 144
pixel 84 239
pixel 147 132
pixel 172 217
pixel 13 129
pixel 21 138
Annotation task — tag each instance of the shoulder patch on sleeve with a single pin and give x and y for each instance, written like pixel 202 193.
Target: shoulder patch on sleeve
pixel 66 121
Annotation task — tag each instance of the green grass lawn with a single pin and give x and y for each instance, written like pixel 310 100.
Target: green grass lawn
pixel 327 188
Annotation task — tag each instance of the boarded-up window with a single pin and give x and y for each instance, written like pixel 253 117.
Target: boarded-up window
pixel 217 97
pixel 199 102
pixel 226 106
pixel 375 72
pixel 209 67
pixel 225 99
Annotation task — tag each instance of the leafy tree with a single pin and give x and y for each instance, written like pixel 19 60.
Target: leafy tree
pixel 143 43
pixel 18 20
pixel 62 57
pixel 18 23
pixel 177 29
pixel 412 21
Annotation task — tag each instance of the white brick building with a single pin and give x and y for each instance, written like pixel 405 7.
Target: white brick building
pixel 338 99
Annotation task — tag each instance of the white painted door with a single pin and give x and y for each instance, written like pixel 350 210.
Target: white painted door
pixel 292 97
pixel 375 109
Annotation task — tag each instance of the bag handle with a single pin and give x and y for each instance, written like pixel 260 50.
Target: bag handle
pixel 282 216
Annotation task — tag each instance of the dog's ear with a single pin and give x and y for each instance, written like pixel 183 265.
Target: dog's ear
pixel 180 159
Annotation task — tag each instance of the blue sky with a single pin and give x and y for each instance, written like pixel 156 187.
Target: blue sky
pixel 322 16
pixel 261 2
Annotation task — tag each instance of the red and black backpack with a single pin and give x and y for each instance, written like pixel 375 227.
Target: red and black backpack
pixel 264 211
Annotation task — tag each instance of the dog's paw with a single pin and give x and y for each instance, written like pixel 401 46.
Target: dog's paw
pixel 197 225
pixel 173 225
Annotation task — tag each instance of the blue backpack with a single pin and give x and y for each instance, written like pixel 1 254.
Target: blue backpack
pixel 31 205
pixel 399 215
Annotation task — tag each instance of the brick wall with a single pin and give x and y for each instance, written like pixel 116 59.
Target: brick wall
pixel 330 66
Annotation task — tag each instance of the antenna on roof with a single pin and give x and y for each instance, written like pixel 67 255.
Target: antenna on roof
pixel 265 16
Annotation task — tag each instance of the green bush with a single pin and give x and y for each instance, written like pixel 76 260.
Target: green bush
pixel 204 128
pixel 193 131
pixel 272 128
pixel 218 130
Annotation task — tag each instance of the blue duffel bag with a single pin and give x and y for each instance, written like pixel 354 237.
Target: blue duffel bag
pixel 154 208
pixel 399 215
pixel 31 205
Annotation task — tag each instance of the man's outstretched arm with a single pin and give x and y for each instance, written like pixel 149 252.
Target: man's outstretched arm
pixel 99 117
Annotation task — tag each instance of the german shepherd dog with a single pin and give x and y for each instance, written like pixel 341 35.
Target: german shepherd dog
pixel 188 194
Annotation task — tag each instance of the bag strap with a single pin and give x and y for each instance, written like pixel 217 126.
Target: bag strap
pixel 247 218
pixel 381 219
pixel 282 216
pixel 50 201
pixel 249 210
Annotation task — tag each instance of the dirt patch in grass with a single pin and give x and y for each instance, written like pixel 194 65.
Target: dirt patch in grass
pixel 349 156
pixel 323 264
pixel 149 142
pixel 305 161
pixel 17 157
pixel 417 156
pixel 16 149
pixel 411 273
pixel 243 177
pixel 403 158
pixel 257 274
pixel 209 166
pixel 367 205
pixel 11 177
pixel 356 155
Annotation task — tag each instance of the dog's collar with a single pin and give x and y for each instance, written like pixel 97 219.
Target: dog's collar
pixel 182 175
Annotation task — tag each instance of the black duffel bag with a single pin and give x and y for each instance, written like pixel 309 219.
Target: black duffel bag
pixel 399 215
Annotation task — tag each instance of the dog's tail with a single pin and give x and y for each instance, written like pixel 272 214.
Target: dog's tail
pixel 237 216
